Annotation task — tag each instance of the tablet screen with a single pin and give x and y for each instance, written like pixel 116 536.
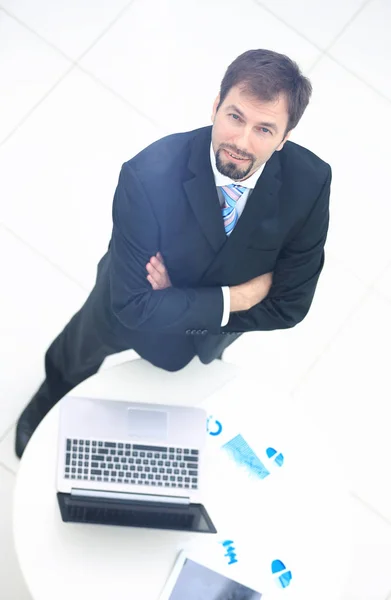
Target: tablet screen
pixel 196 582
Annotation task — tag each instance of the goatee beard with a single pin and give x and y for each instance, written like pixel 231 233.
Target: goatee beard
pixel 230 169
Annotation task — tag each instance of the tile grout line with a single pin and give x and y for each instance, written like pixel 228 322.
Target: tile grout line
pixel 328 344
pixel 118 95
pixel 102 83
pixel 381 274
pixel 7 469
pixel 36 34
pixel 44 257
pixel 358 77
pixel 369 289
pixel 345 266
pixel 7 431
pixel 370 507
pixel 325 51
pixel 73 63
pixel 348 23
pixel 75 66
pixel 37 104
pixel 337 36
pixel 97 80
pixel 56 48
pixel 299 33
pixel 106 29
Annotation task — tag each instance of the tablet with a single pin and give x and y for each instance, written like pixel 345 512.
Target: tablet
pixel 190 580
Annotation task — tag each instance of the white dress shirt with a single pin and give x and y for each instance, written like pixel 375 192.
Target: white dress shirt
pixel 249 183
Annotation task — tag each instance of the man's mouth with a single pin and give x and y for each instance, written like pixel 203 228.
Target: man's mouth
pixel 234 156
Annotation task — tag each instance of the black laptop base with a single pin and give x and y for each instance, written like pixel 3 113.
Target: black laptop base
pixel 129 513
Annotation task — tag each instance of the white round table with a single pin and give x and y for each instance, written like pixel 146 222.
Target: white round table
pixel 297 514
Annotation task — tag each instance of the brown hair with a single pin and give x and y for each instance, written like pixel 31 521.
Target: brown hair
pixel 265 74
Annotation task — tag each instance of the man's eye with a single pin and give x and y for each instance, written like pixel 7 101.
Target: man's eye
pixel 265 130
pixel 235 117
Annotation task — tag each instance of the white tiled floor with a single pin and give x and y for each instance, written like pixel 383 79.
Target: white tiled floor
pixel 365 46
pixel 83 86
pixel 181 58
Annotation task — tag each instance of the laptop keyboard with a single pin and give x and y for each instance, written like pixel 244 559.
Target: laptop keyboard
pixel 115 462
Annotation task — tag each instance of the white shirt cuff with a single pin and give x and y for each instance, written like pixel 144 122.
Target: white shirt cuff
pixel 226 305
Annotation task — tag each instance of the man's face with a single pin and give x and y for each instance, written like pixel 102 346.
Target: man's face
pixel 249 129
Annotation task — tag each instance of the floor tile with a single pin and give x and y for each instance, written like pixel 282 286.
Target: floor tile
pixel 383 284
pixel 8 457
pixel 365 47
pixel 70 26
pixel 318 21
pixel 72 149
pixel 12 585
pixel 284 356
pixel 348 393
pixel 369 572
pixel 176 87
pixel 333 127
pixel 28 69
pixel 37 304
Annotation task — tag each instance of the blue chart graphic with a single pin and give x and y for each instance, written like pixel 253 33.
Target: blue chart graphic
pixel 284 577
pixel 213 427
pixel 244 456
pixel 279 459
pixel 230 551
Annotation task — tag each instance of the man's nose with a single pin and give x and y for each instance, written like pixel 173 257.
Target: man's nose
pixel 242 142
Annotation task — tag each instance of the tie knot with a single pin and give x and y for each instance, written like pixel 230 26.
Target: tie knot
pixel 233 191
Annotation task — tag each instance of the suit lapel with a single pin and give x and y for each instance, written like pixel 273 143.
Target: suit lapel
pixel 262 207
pixel 202 193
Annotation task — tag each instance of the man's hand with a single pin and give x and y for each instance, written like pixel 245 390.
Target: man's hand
pixel 248 294
pixel 157 273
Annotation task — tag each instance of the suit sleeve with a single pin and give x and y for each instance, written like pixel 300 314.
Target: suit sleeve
pixel 295 276
pixel 135 238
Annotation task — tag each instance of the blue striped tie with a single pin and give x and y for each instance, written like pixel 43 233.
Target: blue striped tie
pixel 231 194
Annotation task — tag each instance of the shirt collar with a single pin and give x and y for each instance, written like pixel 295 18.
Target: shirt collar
pixel 221 179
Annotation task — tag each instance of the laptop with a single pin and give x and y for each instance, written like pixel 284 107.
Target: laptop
pixel 131 464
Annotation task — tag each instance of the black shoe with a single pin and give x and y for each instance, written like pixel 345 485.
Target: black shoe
pixel 28 422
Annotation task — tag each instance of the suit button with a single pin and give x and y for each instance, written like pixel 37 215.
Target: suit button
pixel 188 331
pixel 193 331
pixel 204 332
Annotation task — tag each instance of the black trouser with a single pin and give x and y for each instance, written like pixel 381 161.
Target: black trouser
pixel 75 355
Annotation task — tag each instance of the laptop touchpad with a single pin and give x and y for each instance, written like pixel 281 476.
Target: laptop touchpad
pixel 147 423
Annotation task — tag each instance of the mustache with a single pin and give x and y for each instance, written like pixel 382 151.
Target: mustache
pixel 237 152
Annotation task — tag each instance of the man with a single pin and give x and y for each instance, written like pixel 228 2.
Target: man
pixel 216 232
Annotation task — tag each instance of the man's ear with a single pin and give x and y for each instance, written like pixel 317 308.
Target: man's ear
pixel 288 135
pixel 215 105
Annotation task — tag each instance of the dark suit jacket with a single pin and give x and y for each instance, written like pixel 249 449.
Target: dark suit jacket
pixel 166 200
